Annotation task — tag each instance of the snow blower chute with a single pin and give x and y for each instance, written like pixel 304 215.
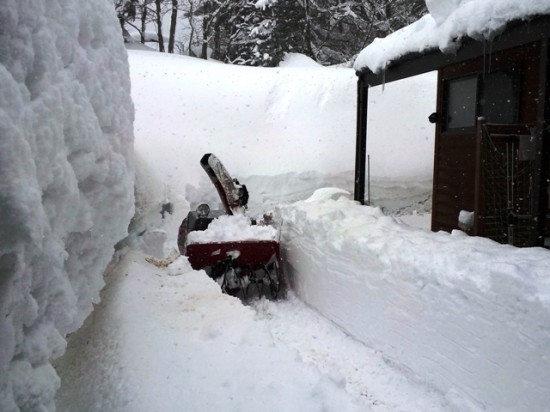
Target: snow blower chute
pixel 241 255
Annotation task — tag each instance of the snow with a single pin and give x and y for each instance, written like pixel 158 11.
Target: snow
pixel 66 181
pixel 298 60
pixel 233 109
pixel 198 342
pixel 465 313
pixel 466 220
pixel 176 340
pixel 302 119
pixel 381 316
pixel 448 22
pixel 262 4
pixel 234 228
pixel 326 193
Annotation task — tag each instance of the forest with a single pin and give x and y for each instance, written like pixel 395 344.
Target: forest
pixel 260 32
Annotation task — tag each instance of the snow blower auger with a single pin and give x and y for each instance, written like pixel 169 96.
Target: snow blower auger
pixel 241 255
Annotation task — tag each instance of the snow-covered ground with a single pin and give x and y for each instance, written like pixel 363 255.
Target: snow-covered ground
pixel 168 340
pixel 382 316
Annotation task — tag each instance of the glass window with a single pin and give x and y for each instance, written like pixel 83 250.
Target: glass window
pixel 461 103
pixel 498 102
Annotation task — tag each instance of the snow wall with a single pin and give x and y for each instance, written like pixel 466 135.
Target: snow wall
pixel 66 180
pixel 466 315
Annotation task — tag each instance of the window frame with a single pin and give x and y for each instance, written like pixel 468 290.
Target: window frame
pixel 512 70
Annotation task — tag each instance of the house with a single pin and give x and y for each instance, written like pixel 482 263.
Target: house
pixel 492 147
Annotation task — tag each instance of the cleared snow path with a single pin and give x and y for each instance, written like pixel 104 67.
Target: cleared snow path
pixel 169 340
pixel 363 371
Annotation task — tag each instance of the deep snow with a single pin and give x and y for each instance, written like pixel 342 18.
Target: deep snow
pixel 382 316
pixel 209 351
pixel 66 181
pixel 417 321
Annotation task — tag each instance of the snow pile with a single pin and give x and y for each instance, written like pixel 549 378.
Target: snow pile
pixel 465 314
pixel 401 145
pixel 466 220
pixel 299 60
pixel 232 228
pixel 66 185
pixel 326 193
pixel 448 22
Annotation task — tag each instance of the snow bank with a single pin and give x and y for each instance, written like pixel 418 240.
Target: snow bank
pixel 66 185
pixel 466 315
pixel 448 22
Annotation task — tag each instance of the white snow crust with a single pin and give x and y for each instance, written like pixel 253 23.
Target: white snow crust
pixel 443 28
pixel 66 181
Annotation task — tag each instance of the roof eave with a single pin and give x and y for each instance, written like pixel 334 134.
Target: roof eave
pixel 517 33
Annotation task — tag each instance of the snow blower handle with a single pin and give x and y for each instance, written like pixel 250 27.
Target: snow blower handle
pixel 233 195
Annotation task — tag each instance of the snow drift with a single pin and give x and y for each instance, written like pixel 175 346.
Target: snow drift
pixel 465 314
pixel 66 180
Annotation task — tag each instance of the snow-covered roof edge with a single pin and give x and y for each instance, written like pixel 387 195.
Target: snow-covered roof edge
pixel 476 19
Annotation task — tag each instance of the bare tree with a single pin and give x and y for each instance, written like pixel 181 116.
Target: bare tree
pixel 189 11
pixel 173 23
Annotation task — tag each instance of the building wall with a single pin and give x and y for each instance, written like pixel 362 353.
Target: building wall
pixel 454 162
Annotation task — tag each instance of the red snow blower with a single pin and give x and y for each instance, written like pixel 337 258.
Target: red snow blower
pixel 244 266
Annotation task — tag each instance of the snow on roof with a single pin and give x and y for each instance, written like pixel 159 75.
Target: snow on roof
pixel 447 23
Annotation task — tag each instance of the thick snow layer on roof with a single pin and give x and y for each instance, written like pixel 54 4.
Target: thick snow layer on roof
pixel 448 22
pixel 66 180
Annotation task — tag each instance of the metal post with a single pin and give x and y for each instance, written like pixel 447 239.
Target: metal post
pixel 368 180
pixel 540 178
pixel 361 140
